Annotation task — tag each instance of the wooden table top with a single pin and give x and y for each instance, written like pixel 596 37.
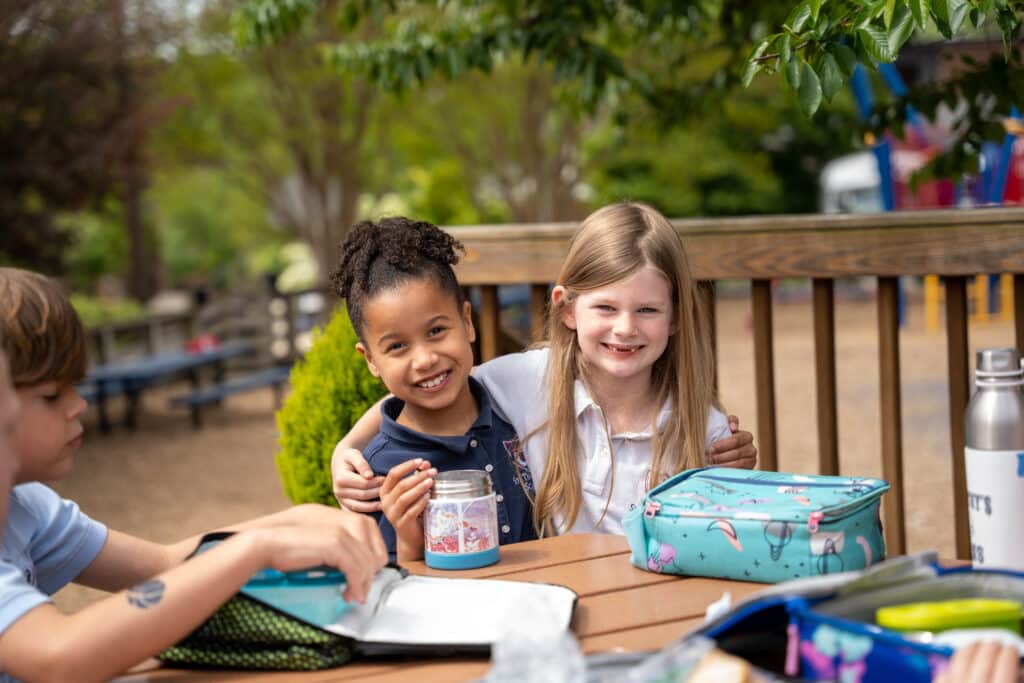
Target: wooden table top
pixel 620 608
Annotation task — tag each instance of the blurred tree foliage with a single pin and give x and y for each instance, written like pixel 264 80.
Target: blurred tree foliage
pixel 647 49
pixel 65 134
pixel 634 102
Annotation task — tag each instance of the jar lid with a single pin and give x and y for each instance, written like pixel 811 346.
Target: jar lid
pixel 461 484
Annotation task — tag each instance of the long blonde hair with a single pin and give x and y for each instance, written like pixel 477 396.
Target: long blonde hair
pixel 611 244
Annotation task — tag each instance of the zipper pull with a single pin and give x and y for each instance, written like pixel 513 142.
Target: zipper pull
pixel 651 509
pixel 813 519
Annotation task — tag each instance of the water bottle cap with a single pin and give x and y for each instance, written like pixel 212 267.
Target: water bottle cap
pixel 461 484
pixel 998 363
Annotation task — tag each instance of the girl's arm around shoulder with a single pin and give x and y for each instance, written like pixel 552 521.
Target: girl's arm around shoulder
pixel 116 633
pixel 352 480
pixel 517 384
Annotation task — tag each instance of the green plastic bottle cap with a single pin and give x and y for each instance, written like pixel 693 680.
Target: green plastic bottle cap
pixel 946 614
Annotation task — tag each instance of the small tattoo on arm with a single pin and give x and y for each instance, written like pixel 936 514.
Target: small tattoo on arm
pixel 146 594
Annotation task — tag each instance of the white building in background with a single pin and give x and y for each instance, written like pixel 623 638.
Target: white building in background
pixel 851 184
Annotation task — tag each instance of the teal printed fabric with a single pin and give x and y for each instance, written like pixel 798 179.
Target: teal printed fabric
pixel 757 526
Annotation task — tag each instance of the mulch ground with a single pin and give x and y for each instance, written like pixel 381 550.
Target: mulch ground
pixel 165 481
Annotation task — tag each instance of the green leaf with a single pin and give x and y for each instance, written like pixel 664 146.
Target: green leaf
pixel 950 15
pixel 901 30
pixel 799 16
pixel 809 92
pixel 815 9
pixel 785 48
pixel 831 77
pixel 876 43
pixel 890 10
pixel 920 9
pixel 957 13
pixel 753 66
pixel 793 72
pixel 845 57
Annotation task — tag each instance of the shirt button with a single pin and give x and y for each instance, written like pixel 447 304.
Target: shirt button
pixel 499 498
pixel 472 443
pixel 489 468
pixel 505 529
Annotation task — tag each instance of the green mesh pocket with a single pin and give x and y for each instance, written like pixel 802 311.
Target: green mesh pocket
pixel 247 634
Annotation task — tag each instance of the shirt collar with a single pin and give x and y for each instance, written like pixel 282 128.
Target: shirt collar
pixel 392 408
pixel 584 401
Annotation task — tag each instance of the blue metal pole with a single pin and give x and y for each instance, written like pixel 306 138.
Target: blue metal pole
pixel 1001 174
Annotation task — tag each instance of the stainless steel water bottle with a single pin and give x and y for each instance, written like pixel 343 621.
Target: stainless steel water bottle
pixel 995 460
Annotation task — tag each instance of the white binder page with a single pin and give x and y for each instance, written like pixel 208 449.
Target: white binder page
pixel 420 610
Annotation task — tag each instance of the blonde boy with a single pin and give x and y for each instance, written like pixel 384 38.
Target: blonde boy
pixel 49 542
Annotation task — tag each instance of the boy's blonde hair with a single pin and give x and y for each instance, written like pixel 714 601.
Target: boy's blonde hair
pixel 611 244
pixel 39 330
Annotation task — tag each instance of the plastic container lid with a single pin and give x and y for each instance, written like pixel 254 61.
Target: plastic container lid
pixel 948 614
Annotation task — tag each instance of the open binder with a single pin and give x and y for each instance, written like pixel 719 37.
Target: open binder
pixel 299 621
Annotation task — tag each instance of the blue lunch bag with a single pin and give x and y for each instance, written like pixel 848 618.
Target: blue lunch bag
pixel 824 629
pixel 757 526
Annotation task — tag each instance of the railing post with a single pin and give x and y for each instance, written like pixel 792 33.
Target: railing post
pixel 1018 311
pixel 490 322
pixel 538 312
pixel 764 373
pixel 107 342
pixel 707 293
pixel 958 368
pixel 825 375
pixel 892 433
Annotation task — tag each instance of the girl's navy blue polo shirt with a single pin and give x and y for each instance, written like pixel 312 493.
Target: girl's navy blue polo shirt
pixel 491 444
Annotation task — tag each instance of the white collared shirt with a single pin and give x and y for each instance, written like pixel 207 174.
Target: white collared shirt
pixel 517 383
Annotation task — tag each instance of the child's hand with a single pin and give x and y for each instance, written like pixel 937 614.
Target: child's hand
pixel 361 527
pixel 404 497
pixel 736 451
pixel 983 662
pixel 290 548
pixel 355 485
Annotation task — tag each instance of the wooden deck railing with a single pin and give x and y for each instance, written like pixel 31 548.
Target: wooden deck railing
pixel 952 244
pixel 955 245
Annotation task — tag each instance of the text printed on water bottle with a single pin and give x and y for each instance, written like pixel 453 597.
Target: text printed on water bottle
pixel 995 504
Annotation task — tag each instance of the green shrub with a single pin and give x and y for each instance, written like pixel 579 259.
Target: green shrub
pixel 331 389
pixel 95 312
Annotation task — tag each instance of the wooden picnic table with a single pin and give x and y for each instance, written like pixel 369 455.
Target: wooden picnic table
pixel 130 377
pixel 620 608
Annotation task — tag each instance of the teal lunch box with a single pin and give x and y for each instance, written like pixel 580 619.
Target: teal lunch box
pixel 757 526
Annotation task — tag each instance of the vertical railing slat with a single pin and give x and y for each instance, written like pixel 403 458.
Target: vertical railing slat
pixel 764 373
pixel 956 352
pixel 825 375
pixel 538 312
pixel 707 292
pixel 1018 311
pixel 490 322
pixel 892 433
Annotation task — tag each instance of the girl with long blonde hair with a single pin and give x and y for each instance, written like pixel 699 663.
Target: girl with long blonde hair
pixel 626 265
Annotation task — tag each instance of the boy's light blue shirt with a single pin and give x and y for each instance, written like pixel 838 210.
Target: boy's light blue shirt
pixel 47 542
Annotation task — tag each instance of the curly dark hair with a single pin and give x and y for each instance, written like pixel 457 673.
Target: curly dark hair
pixel 389 253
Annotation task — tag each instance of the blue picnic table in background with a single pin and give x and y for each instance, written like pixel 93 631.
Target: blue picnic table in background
pixel 130 377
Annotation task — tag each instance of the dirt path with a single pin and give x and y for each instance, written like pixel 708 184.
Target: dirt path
pixel 166 480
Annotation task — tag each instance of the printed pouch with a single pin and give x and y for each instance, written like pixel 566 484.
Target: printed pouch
pixel 837 638
pixel 274 622
pixel 823 628
pixel 757 526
